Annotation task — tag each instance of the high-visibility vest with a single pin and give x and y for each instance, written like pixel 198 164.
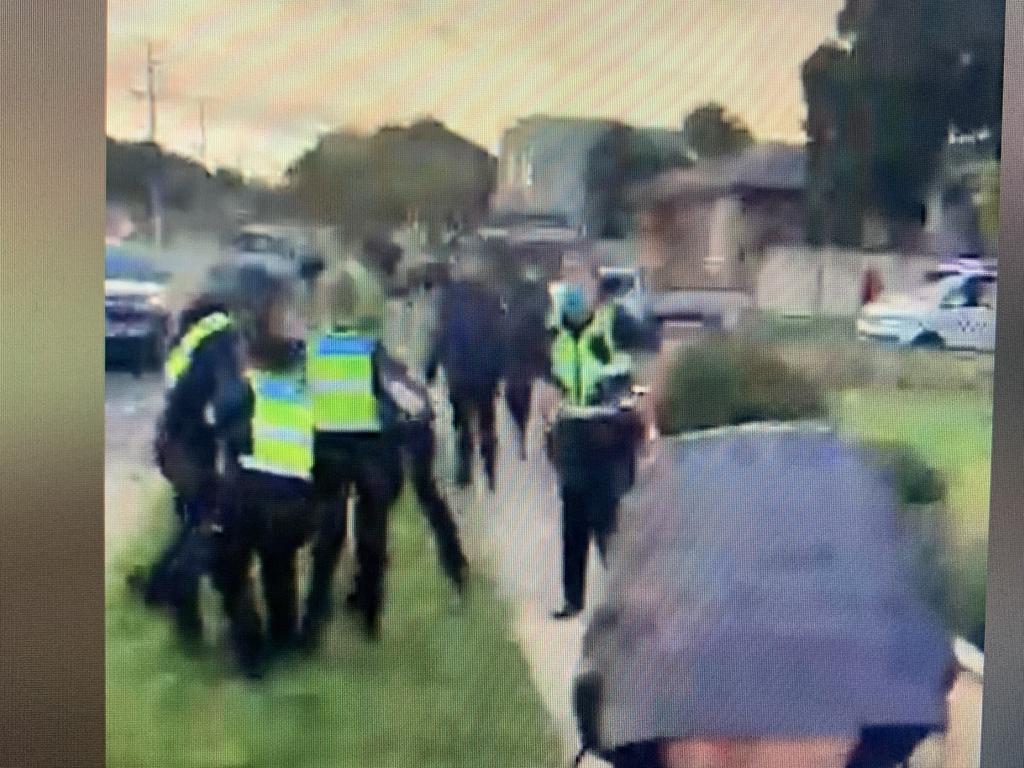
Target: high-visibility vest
pixel 281 425
pixel 339 370
pixel 180 357
pixel 576 367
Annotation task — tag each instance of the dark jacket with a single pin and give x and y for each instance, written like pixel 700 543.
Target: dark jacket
pixel 470 336
pixel 215 363
pixel 527 344
pixel 759 587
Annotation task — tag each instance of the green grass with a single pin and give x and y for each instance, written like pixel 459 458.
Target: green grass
pixel 441 689
pixel 953 432
pixel 774 328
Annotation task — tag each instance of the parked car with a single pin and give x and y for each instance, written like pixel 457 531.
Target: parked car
pixel 950 311
pixel 138 323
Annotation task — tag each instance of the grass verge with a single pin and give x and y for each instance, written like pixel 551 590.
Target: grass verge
pixel 442 688
pixel 953 432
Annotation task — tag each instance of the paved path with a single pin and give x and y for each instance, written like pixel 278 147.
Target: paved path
pixel 515 534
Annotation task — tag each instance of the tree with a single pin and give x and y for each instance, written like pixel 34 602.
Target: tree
pixel 626 156
pixel 364 184
pixel 712 132
pixel 880 107
pixel 988 204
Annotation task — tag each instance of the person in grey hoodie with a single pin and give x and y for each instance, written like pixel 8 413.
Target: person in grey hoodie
pixel 760 608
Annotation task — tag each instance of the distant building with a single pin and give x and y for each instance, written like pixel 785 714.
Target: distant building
pixel 707 226
pixel 563 184
pixel 543 170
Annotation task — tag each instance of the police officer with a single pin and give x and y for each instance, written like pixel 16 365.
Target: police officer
pixel 416 432
pixel 203 357
pixel 354 447
pixel 266 420
pixel 593 442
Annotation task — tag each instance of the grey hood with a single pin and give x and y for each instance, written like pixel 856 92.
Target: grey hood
pixel 759 586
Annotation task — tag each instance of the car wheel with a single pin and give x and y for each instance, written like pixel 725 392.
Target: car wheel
pixel 928 340
pixel 156 350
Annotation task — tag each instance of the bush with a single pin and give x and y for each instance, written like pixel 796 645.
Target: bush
pixel 722 383
pixel 916 482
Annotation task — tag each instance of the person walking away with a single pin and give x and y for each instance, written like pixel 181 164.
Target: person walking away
pixel 593 442
pixel 760 609
pixel 355 446
pixel 267 424
pixel 468 347
pixel 526 348
pixel 203 358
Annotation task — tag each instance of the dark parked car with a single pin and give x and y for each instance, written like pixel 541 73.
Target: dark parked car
pixel 138 323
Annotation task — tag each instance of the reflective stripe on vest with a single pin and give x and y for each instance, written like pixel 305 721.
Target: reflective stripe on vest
pixel 282 427
pixel 179 358
pixel 576 367
pixel 339 369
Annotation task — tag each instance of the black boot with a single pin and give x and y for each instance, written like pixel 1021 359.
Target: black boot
pixel 567 611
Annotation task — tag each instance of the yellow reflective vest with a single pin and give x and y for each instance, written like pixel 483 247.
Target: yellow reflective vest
pixel 339 371
pixel 281 427
pixel 574 365
pixel 180 357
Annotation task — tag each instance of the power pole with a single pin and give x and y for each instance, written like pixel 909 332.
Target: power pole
pixel 202 130
pixel 150 92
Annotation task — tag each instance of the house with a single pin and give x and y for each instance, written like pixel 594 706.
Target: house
pixel 543 171
pixel 705 226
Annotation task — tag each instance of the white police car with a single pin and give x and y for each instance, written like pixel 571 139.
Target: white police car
pixel 954 309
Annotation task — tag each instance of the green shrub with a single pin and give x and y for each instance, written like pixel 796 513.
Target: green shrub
pixel 917 483
pixel 722 382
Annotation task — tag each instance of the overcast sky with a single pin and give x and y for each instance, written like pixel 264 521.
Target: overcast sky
pixel 277 72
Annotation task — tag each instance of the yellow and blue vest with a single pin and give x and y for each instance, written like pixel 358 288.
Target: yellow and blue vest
pixel 339 370
pixel 574 365
pixel 180 357
pixel 281 426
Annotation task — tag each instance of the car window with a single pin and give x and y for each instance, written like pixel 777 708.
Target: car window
pixel 122 266
pixel 968 295
pixel 617 285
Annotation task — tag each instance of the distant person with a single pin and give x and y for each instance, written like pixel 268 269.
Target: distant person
pixel 267 424
pixel 593 442
pixel 468 345
pixel 526 347
pixel 872 286
pixel 203 357
pixel 759 610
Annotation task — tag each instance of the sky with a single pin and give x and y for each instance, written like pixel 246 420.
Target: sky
pixel 275 74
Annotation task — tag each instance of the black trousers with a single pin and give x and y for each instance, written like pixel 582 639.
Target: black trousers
pixel 518 392
pixel 595 460
pixel 420 445
pixel 371 465
pixel 474 413
pixel 271 518
pixel 174 579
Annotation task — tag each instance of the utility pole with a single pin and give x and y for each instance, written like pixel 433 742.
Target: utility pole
pixel 150 92
pixel 202 130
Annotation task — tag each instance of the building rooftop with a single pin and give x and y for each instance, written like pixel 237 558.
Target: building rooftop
pixel 781 167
